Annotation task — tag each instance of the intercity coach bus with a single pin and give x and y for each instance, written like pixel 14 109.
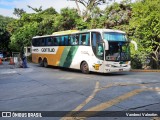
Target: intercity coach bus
pixel 97 50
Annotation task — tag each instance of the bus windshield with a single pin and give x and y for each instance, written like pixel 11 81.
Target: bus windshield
pixel 114 36
pixel 118 51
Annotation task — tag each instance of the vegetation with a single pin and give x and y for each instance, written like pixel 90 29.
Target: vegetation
pixel 4 34
pixel 140 20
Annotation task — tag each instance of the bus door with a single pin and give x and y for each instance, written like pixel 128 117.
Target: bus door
pixel 98 50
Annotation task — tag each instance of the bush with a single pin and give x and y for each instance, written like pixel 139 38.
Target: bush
pixel 136 63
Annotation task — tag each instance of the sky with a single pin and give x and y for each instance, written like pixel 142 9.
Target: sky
pixel 7 6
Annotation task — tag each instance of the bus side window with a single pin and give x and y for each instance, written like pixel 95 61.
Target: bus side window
pixel 39 42
pixel 70 40
pixel 59 40
pixel 34 43
pixel 66 40
pixel 77 39
pixel 74 40
pixel 42 41
pixel 55 41
pixel 62 40
pixel 48 40
pixel 52 41
pixel 84 39
pixel 95 37
pixel 87 39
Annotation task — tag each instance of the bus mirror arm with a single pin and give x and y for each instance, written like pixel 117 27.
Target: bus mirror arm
pixel 135 44
pixel 106 45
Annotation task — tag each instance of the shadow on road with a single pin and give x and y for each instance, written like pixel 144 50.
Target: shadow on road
pixel 91 73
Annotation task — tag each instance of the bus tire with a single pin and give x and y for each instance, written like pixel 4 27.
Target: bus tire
pixel 84 68
pixel 40 61
pixel 45 63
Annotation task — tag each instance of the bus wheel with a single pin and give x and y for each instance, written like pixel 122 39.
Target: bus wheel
pixel 85 68
pixel 40 61
pixel 45 62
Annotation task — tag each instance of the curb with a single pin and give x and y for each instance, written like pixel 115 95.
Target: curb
pixel 140 70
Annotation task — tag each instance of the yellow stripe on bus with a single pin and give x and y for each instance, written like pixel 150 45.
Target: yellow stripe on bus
pixel 52 59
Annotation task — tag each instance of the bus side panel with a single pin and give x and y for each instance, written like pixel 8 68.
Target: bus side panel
pixel 70 56
pixel 35 57
pixel 85 53
pixel 82 54
pixel 64 56
pixel 53 59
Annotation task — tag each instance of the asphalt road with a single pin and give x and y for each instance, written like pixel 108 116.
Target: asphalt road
pixel 56 89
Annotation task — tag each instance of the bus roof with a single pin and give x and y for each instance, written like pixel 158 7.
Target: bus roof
pixel 106 30
pixel 80 31
pixel 65 32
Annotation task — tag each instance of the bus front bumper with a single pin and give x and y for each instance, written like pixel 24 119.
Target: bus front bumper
pixel 118 69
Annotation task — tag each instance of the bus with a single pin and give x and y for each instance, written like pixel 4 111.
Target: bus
pixel 96 50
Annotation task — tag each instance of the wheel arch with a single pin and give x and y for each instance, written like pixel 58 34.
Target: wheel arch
pixel 39 58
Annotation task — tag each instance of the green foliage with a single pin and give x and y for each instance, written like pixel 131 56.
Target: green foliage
pixel 4 34
pixel 18 12
pixel 29 25
pixel 36 9
pixel 80 24
pixel 49 11
pixel 24 35
pixel 66 20
pixel 146 27
pixel 117 14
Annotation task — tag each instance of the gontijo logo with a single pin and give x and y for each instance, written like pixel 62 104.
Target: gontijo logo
pixel 48 50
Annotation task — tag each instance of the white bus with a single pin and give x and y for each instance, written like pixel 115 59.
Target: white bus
pixel 97 50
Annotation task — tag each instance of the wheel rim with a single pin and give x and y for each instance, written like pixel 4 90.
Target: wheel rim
pixel 45 63
pixel 40 62
pixel 85 67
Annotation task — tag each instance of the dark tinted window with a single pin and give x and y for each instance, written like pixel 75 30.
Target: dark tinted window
pixel 74 39
pixel 95 37
pixel 66 40
pixel 84 39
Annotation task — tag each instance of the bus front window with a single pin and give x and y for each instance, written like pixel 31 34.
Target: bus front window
pixel 118 51
pixel 118 46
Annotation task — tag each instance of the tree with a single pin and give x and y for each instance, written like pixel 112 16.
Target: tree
pixel 146 28
pixel 18 12
pixel 89 5
pixel 29 25
pixel 4 34
pixel 117 14
pixel 23 36
pixel 35 9
pixel 66 20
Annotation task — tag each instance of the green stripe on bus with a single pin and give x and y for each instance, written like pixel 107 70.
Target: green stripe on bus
pixel 70 56
pixel 64 55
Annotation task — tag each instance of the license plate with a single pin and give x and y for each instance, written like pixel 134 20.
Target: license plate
pixel 120 69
